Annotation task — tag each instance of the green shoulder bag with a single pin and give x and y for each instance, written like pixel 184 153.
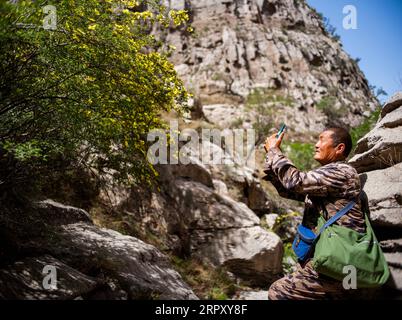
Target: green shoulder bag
pixel 339 246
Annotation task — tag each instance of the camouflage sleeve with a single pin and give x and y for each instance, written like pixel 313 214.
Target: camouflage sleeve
pixel 282 191
pixel 335 179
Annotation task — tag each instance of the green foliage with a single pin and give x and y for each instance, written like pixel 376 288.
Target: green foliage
pixel 289 258
pixel 377 92
pixel 237 123
pixel 261 96
pixel 301 154
pixel 330 29
pixel 24 151
pixel 367 124
pixel 327 106
pixel 89 90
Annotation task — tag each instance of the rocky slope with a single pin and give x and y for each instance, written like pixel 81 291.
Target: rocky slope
pixel 274 50
pixel 378 159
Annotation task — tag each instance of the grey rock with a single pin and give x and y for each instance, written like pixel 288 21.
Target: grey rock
pixel 202 208
pixel 383 189
pixel 56 213
pixel 394 259
pixel 270 220
pixel 194 170
pixel 226 233
pixel 394 102
pixel 252 295
pixel 392 119
pixel 120 267
pixel 220 187
pixel 223 115
pixel 26 280
pixel 391 245
pixel 257 198
pixel 252 254
pixel 139 268
pixel 395 278
pixel 381 147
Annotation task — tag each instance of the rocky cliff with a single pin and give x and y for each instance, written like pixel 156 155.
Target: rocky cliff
pixel 275 50
pixel 378 159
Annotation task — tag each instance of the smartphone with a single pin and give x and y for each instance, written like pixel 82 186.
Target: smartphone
pixel 283 127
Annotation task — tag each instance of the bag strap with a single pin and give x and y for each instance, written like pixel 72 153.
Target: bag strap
pixel 339 214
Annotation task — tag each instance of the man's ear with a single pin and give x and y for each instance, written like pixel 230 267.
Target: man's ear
pixel 340 148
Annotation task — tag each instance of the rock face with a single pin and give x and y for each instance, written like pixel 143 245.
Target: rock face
pixel 225 232
pixel 276 47
pixel 252 295
pixel 90 262
pixel 379 160
pixel 24 280
pixel 382 147
pixel 384 191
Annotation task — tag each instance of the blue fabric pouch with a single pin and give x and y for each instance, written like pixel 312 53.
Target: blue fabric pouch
pixel 305 238
pixel 303 242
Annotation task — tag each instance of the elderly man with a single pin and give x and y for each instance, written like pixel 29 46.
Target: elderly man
pixel 325 191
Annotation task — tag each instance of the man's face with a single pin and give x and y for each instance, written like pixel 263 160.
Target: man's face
pixel 325 151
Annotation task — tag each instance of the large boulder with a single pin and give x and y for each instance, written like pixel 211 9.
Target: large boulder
pixel 253 254
pixel 56 213
pixel 381 147
pixel 227 233
pixel 384 191
pixel 24 280
pixel 193 170
pixel 394 102
pixel 91 262
pixel 202 208
pixel 236 171
pixel 140 269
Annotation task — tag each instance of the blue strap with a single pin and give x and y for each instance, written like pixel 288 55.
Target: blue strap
pixel 339 214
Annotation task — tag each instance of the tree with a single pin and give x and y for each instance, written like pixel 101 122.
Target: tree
pixel 377 92
pixel 87 90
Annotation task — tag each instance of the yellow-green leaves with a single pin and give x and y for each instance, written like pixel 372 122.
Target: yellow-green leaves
pixel 179 16
pixel 97 80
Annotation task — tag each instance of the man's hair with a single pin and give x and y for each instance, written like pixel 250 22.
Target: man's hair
pixel 341 135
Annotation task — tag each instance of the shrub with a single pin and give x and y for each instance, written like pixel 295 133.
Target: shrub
pixel 89 90
pixel 327 106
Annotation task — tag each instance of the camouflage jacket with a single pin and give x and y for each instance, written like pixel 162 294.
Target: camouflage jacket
pixel 324 191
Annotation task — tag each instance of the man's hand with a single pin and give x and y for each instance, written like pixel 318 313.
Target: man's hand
pixel 273 142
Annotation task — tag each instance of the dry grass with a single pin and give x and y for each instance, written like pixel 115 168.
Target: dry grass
pixel 207 281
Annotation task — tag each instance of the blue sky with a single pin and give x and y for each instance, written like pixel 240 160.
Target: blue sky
pixel 377 39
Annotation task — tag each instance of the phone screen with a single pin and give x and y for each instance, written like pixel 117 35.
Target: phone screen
pixel 283 127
